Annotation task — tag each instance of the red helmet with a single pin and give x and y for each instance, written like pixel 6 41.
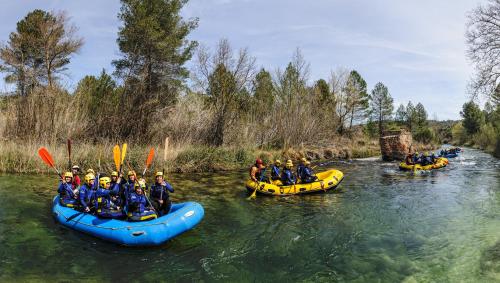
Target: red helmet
pixel 258 161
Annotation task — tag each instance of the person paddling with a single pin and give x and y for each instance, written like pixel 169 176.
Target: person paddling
pixel 409 159
pixel 128 186
pixel 308 174
pixel 256 170
pixel 137 205
pixel 160 194
pixel 275 170
pixel 105 208
pixel 118 198
pixel 86 192
pixel 66 195
pixel 287 177
pixel 76 183
pixel 300 167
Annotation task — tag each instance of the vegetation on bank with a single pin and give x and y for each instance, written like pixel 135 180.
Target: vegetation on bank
pixel 481 128
pixel 23 158
pixel 221 114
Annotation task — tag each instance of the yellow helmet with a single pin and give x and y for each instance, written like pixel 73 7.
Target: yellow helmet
pixel 277 162
pixel 131 173
pixel 103 181
pixel 90 171
pixel 159 173
pixel 140 183
pixel 68 174
pixel 114 174
pixel 303 159
pixel 426 153
pixel 308 163
pixel 289 164
pixel 89 177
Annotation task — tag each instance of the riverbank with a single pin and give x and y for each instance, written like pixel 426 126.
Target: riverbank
pixel 23 157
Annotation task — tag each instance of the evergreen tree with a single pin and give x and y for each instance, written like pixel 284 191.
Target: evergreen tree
pixel 223 96
pixel 358 98
pixel 322 91
pixel 420 116
pixel 381 104
pixel 154 46
pixel 473 117
pixel 411 116
pixel 401 115
pixel 263 91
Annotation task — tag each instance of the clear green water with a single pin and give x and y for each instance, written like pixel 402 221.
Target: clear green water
pixel 381 225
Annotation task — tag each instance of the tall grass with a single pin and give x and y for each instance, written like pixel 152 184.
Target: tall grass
pixel 22 157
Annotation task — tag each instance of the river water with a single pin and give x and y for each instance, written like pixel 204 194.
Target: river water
pixel 380 225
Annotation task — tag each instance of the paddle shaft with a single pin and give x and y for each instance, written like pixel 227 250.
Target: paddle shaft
pixel 145 195
pixel 69 154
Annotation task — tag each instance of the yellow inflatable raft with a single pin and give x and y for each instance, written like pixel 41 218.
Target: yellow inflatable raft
pixel 326 181
pixel 440 163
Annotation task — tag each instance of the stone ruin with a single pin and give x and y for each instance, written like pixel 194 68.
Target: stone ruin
pixel 395 145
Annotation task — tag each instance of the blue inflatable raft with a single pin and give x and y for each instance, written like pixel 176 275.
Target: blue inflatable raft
pixel 450 155
pixel 182 217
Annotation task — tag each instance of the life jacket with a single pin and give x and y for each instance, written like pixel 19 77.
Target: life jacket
pixel 158 191
pixel 287 178
pixel 275 172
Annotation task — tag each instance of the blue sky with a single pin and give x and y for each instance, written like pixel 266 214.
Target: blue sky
pixel 416 48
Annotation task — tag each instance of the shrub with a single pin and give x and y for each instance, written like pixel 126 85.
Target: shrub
pixel 487 137
pixel 424 135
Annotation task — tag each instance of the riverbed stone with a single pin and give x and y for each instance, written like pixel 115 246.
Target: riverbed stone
pixel 395 145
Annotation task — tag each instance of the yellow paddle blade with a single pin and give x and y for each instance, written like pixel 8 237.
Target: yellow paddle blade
pixel 254 194
pixel 117 156
pixel 124 151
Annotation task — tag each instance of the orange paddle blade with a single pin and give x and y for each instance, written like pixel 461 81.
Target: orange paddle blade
pixel 46 157
pixel 117 156
pixel 150 157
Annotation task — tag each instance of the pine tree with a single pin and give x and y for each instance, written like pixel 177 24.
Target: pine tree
pixel 154 46
pixel 381 104
pixel 357 97
pixel 473 117
pixel 401 114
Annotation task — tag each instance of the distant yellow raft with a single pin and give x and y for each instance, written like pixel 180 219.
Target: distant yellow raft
pixel 440 163
pixel 326 181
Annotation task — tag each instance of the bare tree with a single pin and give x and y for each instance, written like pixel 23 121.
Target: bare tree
pixel 224 77
pixel 483 39
pixel 339 81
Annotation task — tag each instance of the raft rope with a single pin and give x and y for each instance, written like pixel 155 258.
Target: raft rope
pixel 113 228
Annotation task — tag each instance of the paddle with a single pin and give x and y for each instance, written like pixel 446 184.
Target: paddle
pixel 47 159
pixel 124 152
pixel 149 160
pixel 117 157
pixel 254 193
pixel 69 154
pixel 164 161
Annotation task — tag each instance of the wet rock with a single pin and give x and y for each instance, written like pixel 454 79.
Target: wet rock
pixel 395 145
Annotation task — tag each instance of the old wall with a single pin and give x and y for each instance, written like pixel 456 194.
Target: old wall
pixel 395 145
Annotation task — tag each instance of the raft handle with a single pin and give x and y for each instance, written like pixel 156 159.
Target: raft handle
pixel 138 233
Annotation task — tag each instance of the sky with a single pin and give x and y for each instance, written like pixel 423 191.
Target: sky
pixel 416 48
